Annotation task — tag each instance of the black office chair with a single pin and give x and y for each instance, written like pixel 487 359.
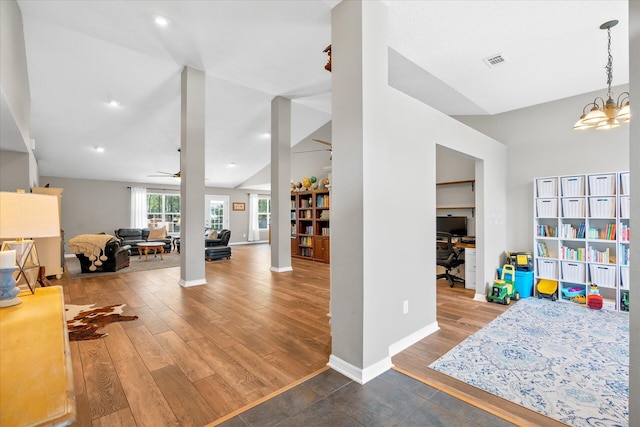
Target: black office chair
pixel 448 257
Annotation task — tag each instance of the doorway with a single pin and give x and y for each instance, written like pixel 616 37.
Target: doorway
pixel 216 212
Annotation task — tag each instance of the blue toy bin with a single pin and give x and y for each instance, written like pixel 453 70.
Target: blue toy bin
pixel 524 282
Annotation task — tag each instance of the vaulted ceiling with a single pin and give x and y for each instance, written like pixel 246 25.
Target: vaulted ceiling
pixel 82 54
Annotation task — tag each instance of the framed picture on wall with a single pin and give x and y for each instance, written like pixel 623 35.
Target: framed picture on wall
pixel 238 206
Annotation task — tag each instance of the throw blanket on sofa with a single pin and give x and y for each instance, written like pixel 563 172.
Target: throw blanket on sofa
pixel 92 246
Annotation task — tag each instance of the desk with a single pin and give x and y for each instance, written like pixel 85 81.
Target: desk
pixel 469 263
pixel 36 378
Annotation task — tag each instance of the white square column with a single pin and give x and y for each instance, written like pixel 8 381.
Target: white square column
pixel 280 188
pixel 192 178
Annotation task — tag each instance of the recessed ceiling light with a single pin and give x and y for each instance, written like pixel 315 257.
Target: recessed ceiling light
pixel 160 21
pixel 232 164
pixel 100 149
pixel 266 135
pixel 114 103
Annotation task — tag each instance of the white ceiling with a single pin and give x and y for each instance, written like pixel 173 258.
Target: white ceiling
pixel 81 54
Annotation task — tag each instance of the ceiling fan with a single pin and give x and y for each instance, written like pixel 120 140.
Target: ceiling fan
pixel 323 149
pixel 175 176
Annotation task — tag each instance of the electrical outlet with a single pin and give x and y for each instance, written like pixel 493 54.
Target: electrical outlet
pixel 405 306
pixel 244 235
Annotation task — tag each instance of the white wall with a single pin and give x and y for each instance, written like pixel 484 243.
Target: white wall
pixel 540 143
pixel 18 171
pixel 384 178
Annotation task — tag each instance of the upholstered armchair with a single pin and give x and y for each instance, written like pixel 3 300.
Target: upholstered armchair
pixel 114 257
pixel 221 240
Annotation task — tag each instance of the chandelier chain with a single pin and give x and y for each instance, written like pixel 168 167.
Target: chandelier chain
pixel 609 66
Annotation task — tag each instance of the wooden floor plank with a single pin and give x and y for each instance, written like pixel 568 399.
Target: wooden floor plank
pixel 151 352
pixel 118 343
pixel 147 403
pixel 103 390
pixel 122 418
pixel 190 363
pixel 185 400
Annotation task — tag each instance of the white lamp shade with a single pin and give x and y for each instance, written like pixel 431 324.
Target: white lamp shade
pixel 27 215
pixel 625 113
pixel 594 117
pixel 608 124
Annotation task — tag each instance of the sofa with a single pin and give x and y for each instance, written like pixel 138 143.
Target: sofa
pixel 221 239
pixel 133 236
pixel 117 257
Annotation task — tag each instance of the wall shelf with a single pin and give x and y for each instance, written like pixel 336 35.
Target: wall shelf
pixel 466 181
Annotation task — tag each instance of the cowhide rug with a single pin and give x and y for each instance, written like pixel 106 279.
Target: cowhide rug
pixel 83 321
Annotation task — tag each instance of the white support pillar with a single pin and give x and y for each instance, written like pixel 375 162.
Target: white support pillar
pixel 359 81
pixel 280 188
pixel 634 169
pixel 192 178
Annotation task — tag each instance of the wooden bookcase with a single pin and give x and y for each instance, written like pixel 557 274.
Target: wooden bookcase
pixel 310 218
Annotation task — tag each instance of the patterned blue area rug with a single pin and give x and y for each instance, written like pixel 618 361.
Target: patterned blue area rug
pixel 562 360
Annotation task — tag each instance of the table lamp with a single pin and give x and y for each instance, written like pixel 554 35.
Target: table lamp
pixel 25 216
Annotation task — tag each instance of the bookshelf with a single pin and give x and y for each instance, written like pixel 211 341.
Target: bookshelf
pixel 581 234
pixel 310 225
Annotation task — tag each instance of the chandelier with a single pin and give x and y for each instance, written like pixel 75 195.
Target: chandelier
pixel 606 114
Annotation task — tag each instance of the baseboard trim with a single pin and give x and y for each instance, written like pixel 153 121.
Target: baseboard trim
pixel 189 283
pixel 280 269
pixel 480 297
pixel 257 242
pixel 407 342
pixel 361 376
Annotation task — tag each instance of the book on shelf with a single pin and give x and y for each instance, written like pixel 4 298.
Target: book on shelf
pixel 542 249
pixel 323 201
pixel 572 254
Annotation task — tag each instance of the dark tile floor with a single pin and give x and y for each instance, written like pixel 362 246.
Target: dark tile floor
pixel 391 399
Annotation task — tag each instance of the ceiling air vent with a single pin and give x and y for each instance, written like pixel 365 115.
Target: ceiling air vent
pixel 494 60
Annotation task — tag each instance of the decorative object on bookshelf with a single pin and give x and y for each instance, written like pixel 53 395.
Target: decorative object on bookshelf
pixel 581 234
pixel 610 113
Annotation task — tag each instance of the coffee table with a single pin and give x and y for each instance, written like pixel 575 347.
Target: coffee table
pixel 147 246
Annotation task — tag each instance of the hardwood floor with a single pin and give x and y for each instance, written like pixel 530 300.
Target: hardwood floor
pixel 196 355
pixel 458 317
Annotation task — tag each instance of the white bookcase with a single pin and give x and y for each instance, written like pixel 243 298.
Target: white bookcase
pixel 581 233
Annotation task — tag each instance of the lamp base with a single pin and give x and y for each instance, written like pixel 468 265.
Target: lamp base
pixel 8 290
pixel 10 302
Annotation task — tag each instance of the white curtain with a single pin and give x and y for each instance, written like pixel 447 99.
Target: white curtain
pixel 254 231
pixel 138 207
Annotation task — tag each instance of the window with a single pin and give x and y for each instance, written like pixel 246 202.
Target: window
pixel 164 210
pixel 216 212
pixel 264 212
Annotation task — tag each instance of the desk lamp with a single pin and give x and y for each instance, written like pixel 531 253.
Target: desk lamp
pixel 23 217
